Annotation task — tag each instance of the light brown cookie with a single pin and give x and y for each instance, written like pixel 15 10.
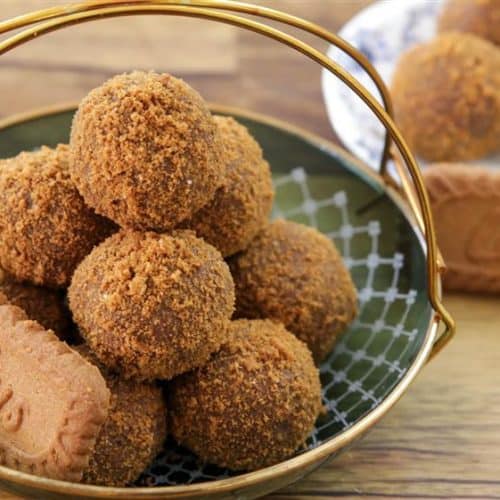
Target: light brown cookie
pixel 52 402
pixel 466 206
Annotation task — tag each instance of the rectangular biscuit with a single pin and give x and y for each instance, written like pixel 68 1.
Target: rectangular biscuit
pixel 465 202
pixel 52 402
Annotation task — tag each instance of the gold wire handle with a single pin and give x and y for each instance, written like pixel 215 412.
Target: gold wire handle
pixel 297 22
pixel 55 18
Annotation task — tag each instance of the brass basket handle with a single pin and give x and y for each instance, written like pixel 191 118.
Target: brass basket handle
pixel 265 12
pixel 49 20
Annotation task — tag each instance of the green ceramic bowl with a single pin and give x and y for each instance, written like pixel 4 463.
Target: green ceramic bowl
pixel 317 184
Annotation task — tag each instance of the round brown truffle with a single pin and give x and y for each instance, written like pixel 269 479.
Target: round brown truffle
pixel 293 274
pixel 45 227
pixel 480 17
pixel 152 306
pixel 40 304
pixel 240 207
pixel 446 96
pixel 133 433
pixel 146 152
pixel 253 404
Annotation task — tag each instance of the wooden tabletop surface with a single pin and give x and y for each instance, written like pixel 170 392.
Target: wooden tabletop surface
pixel 442 440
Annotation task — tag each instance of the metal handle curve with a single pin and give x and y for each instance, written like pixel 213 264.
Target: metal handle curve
pixel 265 12
pixel 56 18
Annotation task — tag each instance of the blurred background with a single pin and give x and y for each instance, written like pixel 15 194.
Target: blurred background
pixel 226 64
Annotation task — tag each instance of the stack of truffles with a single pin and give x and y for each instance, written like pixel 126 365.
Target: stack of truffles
pixel 446 96
pixel 134 218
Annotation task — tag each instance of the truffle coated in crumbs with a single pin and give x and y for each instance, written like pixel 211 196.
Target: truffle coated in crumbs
pixel 446 96
pixel 253 404
pixel 146 151
pixel 152 305
pixel 241 206
pixel 480 17
pixel 45 227
pixel 294 274
pixel 40 304
pixel 133 433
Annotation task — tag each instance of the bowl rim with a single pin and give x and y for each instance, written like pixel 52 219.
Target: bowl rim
pixel 295 464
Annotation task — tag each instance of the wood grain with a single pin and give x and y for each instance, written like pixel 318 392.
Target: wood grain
pixel 442 439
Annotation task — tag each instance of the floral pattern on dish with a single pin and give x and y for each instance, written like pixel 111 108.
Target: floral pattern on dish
pixel 382 32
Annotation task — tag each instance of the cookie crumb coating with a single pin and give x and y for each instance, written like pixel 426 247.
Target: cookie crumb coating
pixel 152 306
pixel 293 274
pixel 446 96
pixel 253 404
pixel 40 304
pixel 45 227
pixel 146 151
pixel 479 17
pixel 240 208
pixel 133 433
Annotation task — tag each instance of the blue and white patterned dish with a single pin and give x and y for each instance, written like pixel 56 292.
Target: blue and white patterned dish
pixel 382 32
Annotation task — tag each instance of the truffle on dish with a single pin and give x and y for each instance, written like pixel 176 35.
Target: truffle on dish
pixel 479 17
pixel 150 305
pixel 133 432
pixel 253 404
pixel 43 305
pixel 45 227
pixel 241 206
pixel 293 274
pixel 146 151
pixel 446 96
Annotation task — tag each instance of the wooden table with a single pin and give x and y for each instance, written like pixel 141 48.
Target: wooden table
pixel 443 438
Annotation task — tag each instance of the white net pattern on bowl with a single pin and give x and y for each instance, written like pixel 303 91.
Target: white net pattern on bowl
pixel 371 350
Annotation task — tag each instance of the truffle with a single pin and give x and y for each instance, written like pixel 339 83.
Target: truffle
pixel 146 151
pixel 253 404
pixel 133 433
pixel 479 17
pixel 152 305
pixel 45 227
pixel 241 206
pixel 446 96
pixel 293 274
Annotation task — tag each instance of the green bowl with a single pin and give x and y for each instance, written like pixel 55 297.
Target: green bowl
pixel 320 185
